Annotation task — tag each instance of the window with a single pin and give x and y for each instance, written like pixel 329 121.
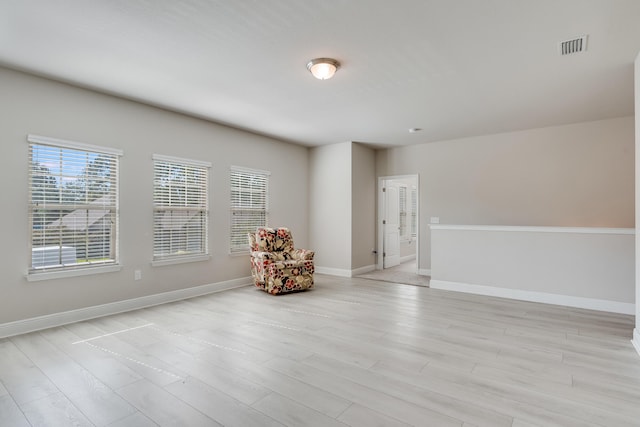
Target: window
pixel 249 205
pixel 402 192
pixel 180 209
pixel 73 206
pixel 414 211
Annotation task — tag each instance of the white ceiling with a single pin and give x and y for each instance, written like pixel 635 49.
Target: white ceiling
pixel 454 68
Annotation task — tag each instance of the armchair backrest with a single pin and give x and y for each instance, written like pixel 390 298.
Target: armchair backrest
pixel 271 240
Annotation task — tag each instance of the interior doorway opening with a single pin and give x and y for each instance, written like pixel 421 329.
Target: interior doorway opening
pixel 398 223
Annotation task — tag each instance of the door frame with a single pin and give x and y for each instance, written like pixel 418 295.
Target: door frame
pixel 381 215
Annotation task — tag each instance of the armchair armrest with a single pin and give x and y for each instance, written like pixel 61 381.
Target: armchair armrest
pixel 267 256
pixel 303 254
pixel 262 255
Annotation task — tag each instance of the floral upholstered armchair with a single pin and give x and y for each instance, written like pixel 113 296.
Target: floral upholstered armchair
pixel 276 266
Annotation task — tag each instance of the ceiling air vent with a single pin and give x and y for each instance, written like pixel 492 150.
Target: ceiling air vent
pixel 576 45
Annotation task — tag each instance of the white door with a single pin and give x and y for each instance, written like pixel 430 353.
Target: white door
pixel 391 250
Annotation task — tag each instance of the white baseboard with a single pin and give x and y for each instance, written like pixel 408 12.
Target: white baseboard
pixel 344 272
pixel 356 272
pixel 66 317
pixel 333 271
pixel 363 270
pixel 636 339
pixel 566 300
pixel 407 258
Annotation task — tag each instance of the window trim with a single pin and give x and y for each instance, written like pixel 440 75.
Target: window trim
pixel 74 145
pixel 87 268
pixel 50 275
pixel 181 160
pixel 186 258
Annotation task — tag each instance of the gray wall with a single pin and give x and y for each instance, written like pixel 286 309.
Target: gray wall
pixel 363 202
pixel 35 105
pixel 330 206
pixel 574 175
pixel 342 207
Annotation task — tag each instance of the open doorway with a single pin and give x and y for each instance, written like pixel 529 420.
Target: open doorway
pixel 398 231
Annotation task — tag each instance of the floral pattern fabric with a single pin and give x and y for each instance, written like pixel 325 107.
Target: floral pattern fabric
pixel 276 266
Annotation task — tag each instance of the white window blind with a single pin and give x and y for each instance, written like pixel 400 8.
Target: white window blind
pixel 249 205
pixel 414 211
pixel 73 205
pixel 181 208
pixel 403 211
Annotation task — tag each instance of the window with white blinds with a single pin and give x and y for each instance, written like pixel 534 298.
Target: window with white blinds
pixel 249 205
pixel 180 208
pixel 414 211
pixel 73 205
pixel 403 211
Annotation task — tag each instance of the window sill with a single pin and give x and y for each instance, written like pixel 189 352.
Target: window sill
pixel 183 260
pixel 50 275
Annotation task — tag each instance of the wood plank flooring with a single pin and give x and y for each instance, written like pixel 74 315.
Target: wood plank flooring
pixel 351 352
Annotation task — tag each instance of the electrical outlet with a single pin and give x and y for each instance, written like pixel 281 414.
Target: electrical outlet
pixel 435 220
pixel 137 275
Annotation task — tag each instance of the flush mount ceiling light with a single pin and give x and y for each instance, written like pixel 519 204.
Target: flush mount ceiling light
pixel 323 68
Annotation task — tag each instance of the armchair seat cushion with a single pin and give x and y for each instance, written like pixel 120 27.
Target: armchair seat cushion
pixel 289 276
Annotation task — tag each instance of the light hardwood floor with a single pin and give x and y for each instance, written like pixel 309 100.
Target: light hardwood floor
pixel 404 273
pixel 351 352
